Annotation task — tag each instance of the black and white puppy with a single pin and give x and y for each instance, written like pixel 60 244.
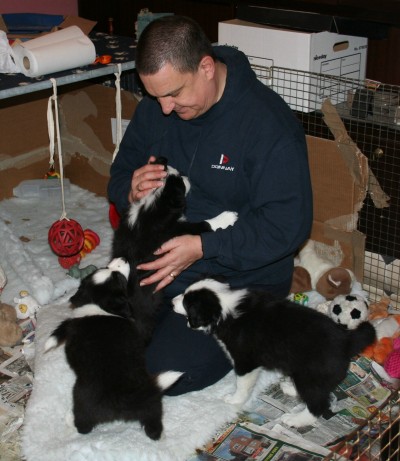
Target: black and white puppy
pixel 146 225
pixel 257 331
pixel 106 351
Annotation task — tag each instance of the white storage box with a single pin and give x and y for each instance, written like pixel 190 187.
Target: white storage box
pixel 317 52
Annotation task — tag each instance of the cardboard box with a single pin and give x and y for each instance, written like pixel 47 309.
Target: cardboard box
pixel 339 175
pixel 85 125
pixel 337 198
pixel 324 53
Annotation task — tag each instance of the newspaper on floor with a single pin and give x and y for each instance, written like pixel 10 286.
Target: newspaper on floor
pixel 16 381
pixel 249 441
pixel 354 401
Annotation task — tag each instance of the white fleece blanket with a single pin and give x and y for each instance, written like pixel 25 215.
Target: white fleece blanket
pixel 189 420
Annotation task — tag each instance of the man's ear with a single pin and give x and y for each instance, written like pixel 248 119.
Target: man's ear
pixel 207 66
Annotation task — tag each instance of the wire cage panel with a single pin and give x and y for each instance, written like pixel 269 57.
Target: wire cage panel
pixel 370 112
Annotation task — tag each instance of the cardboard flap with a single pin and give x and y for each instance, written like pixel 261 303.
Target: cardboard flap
pixel 337 195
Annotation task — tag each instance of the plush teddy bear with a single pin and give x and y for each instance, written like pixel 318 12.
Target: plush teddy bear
pixel 312 272
pixel 10 331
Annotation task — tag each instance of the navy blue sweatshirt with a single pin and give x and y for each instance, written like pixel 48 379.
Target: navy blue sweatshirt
pixel 248 154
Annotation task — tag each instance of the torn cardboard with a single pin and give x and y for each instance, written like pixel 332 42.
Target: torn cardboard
pixel 339 174
pixel 351 153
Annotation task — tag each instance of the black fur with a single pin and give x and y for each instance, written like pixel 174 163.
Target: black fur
pixel 111 296
pixel 112 383
pixel 137 242
pixel 107 355
pixel 302 343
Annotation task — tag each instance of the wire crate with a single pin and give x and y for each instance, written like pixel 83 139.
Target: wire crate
pixel 376 439
pixel 370 112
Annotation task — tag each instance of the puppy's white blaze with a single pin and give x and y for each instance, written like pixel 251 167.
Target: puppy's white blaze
pixel 120 265
pixel 88 310
pixel 101 275
pixel 51 343
pixel 223 220
pixel 301 419
pixel 168 378
pixel 228 298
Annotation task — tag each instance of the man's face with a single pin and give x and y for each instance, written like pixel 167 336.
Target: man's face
pixel 189 95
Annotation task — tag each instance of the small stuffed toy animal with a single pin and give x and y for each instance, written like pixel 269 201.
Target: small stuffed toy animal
pixel 387 327
pixel 348 310
pixel 312 272
pixel 10 331
pixel 26 305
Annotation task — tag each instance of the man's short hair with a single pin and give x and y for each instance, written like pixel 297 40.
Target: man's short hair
pixel 177 40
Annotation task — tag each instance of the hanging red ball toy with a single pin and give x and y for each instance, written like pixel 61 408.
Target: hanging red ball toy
pixel 66 237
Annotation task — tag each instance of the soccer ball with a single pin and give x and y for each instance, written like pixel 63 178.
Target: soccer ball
pixel 348 310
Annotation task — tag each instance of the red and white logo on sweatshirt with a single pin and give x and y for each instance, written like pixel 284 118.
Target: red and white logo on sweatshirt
pixel 223 164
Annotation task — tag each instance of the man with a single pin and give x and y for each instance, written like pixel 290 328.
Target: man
pixel 243 150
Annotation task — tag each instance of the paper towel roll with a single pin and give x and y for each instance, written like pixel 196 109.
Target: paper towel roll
pixel 62 50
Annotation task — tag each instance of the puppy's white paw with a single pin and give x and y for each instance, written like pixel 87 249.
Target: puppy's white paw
pixel 301 419
pixel 223 220
pixel 288 387
pixel 235 399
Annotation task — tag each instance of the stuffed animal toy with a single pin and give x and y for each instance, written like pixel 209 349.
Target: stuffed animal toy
pixel 26 305
pixel 379 310
pixel 10 331
pixel 387 328
pixel 348 310
pixel 312 272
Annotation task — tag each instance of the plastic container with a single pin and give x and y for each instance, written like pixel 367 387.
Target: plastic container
pixel 41 188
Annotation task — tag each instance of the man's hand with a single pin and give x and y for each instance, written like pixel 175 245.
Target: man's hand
pixel 175 256
pixel 145 179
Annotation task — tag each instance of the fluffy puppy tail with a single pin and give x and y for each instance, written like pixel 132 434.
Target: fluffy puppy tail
pixel 361 337
pixel 58 336
pixel 167 379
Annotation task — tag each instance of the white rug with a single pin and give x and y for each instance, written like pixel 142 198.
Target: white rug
pixel 189 420
pixel 25 254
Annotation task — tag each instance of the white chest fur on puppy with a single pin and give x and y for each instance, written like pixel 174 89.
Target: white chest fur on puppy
pixel 257 331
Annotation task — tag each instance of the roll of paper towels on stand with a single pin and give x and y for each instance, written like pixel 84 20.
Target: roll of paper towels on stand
pixel 54 52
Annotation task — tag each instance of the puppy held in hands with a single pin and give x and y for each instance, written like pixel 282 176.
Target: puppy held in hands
pixel 257 331
pixel 146 225
pixel 106 350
